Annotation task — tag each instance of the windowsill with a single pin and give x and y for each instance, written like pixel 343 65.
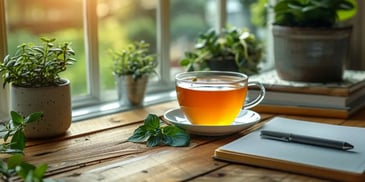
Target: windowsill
pixel 114 107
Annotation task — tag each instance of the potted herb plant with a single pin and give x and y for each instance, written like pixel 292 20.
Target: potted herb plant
pixel 311 40
pixel 132 67
pixel 33 73
pixel 232 50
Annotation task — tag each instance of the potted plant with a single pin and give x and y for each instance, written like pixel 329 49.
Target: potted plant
pixel 311 40
pixel 232 50
pixel 132 67
pixel 33 72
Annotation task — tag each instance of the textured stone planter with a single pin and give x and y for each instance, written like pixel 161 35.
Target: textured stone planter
pixel 311 55
pixel 54 102
pixel 130 91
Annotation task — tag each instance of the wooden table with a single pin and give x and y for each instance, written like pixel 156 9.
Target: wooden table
pixel 97 150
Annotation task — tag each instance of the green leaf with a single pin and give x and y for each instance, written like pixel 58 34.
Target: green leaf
pixel 18 140
pixel 33 117
pixel 154 141
pixel 40 170
pixel 3 168
pixel 25 170
pixel 28 176
pixel 152 122
pixel 14 161
pixel 167 140
pixel 176 136
pixel 346 12
pixel 6 136
pixel 139 135
pixel 16 118
pixel 156 135
pixel 185 62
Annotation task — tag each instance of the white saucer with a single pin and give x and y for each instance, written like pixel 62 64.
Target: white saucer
pixel 245 119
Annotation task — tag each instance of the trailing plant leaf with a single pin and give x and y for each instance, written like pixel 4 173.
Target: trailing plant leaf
pixel 15 129
pixel 151 133
pixel 17 119
pixel 33 117
pixel 14 165
pixel 18 140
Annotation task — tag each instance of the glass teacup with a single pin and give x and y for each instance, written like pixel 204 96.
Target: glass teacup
pixel 214 97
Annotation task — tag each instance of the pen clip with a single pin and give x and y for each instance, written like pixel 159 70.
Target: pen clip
pixel 275 135
pixel 282 138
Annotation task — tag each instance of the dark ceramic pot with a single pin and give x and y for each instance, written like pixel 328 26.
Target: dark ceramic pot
pixel 311 55
pixel 222 65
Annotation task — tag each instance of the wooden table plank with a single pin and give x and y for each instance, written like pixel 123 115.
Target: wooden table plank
pixel 235 172
pixel 110 121
pixel 169 164
pixel 75 155
pixel 97 150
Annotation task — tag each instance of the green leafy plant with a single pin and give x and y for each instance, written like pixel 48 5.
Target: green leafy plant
pixel 151 133
pixel 135 60
pixel 312 13
pixel 258 12
pixel 37 65
pixel 28 172
pixel 14 165
pixel 237 44
pixel 14 129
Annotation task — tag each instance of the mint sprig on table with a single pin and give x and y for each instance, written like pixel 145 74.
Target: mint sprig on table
pixel 151 133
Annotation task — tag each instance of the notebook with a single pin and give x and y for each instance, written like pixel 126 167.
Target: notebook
pixel 300 158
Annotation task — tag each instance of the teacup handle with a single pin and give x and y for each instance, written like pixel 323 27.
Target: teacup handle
pixel 259 98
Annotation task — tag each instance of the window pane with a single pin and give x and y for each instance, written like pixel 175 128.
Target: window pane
pixel 29 20
pixel 119 24
pixel 188 19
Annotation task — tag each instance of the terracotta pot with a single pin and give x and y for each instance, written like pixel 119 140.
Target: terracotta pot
pixel 130 91
pixel 311 55
pixel 54 102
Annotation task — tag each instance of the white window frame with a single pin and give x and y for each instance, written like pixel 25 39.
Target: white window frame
pixel 91 47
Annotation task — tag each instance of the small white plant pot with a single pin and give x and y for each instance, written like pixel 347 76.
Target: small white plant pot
pixel 54 102
pixel 130 91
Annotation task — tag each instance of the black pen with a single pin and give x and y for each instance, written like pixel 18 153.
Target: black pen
pixel 290 137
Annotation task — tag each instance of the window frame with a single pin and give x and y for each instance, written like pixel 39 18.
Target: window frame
pixel 4 92
pixel 94 99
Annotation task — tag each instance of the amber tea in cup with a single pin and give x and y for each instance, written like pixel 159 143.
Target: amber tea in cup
pixel 214 97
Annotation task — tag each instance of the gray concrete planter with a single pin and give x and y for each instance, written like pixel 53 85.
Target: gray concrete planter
pixel 54 102
pixel 311 55
pixel 130 91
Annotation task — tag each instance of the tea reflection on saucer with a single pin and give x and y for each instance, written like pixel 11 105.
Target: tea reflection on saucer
pixel 245 119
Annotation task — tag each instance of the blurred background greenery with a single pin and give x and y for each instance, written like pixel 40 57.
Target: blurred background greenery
pixel 120 22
